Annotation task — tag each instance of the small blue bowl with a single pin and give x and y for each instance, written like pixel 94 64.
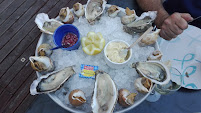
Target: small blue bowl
pixel 61 31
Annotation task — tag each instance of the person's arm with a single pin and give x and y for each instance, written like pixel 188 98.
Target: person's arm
pixel 170 25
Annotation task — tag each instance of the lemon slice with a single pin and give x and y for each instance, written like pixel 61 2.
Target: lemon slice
pixel 93 43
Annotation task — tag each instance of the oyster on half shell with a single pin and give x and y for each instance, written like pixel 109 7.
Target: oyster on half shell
pixel 143 85
pixel 41 63
pixel 150 38
pixel 126 98
pixel 105 94
pixel 44 50
pixel 66 16
pixel 52 81
pixel 156 71
pixel 155 55
pixel 78 9
pixel 141 24
pixel 129 17
pixel 94 9
pixel 113 11
pixel 45 24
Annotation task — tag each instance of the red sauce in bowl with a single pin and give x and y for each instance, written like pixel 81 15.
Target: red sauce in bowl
pixel 69 40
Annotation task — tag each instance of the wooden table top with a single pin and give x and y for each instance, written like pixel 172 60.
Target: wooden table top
pixel 18 38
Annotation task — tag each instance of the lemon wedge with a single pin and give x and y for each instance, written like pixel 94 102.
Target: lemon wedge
pixel 93 43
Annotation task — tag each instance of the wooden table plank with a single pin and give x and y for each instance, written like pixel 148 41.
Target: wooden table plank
pixel 5 97
pixel 22 108
pixel 5 4
pixel 17 79
pixel 10 10
pixel 14 21
pixel 19 96
pixel 18 65
pixel 24 31
pixel 18 37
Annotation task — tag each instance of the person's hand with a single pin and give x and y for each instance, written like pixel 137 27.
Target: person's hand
pixel 174 25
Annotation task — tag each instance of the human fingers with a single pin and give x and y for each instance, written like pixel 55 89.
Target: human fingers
pixel 175 29
pixel 186 16
pixel 179 21
pixel 170 28
pixel 164 35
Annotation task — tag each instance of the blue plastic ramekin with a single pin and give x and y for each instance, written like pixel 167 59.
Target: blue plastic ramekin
pixel 61 31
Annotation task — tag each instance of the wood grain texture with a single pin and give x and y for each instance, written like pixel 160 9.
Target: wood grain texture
pixel 19 36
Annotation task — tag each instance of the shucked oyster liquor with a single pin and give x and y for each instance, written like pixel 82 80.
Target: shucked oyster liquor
pixel 105 94
pixel 51 82
pixel 94 9
pixel 156 71
pixel 45 24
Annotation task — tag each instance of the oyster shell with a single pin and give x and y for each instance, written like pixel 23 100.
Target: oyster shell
pixel 143 85
pixel 66 16
pixel 156 71
pixel 105 94
pixel 129 17
pixel 150 38
pixel 113 11
pixel 44 50
pixel 51 82
pixel 76 97
pixel 142 23
pixel 45 24
pixel 126 98
pixel 155 55
pixel 78 9
pixel 41 63
pixel 94 9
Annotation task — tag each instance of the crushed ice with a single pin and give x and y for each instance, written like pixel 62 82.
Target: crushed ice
pixel 111 28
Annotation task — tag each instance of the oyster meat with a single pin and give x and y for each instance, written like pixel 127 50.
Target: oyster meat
pixel 66 16
pixel 150 38
pixel 156 55
pixel 156 71
pixel 94 9
pixel 113 11
pixel 51 82
pixel 105 94
pixel 143 85
pixel 41 64
pixel 77 97
pixel 44 50
pixel 78 9
pixel 129 17
pixel 141 24
pixel 126 98
pixel 45 24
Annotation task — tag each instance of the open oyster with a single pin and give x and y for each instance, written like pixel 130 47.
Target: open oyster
pixel 126 98
pixel 44 50
pixel 94 9
pixel 45 24
pixel 66 16
pixel 141 24
pixel 150 38
pixel 77 97
pixel 129 17
pixel 143 85
pixel 113 11
pixel 78 9
pixel 41 63
pixel 156 71
pixel 156 55
pixel 51 82
pixel 105 94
